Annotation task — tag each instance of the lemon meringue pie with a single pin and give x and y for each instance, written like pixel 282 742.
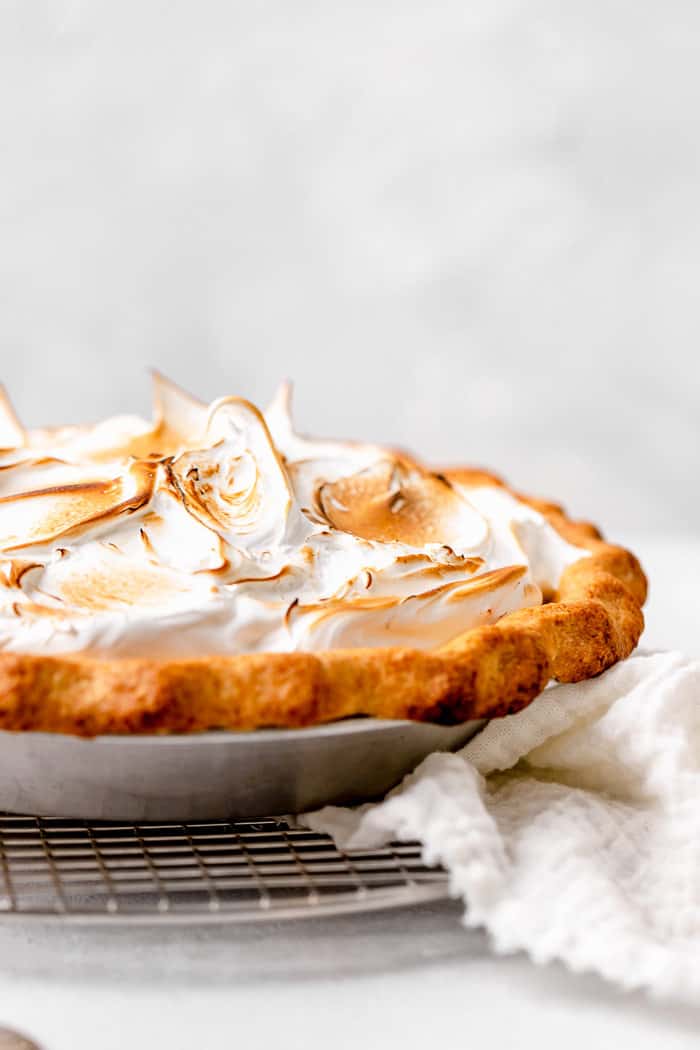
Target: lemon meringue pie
pixel 213 568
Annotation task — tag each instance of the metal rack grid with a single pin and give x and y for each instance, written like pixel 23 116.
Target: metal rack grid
pixel 219 871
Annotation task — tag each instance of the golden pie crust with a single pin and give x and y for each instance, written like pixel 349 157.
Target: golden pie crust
pixel 593 620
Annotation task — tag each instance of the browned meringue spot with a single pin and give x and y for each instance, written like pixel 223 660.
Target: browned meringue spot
pixel 330 606
pixel 101 589
pixel 394 501
pixel 485 582
pixel 151 518
pixel 286 570
pixel 156 444
pixel 45 515
pixel 307 554
pixel 35 609
pixel 218 570
pixel 417 564
pixel 429 572
pixel 147 545
pixel 12 571
pixel 471 477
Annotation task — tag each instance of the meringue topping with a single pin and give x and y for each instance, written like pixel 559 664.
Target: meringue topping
pixel 219 529
pixel 396 502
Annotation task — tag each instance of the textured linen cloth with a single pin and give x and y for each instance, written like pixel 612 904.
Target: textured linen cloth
pixel 572 829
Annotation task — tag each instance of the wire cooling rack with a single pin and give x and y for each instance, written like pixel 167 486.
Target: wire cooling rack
pixel 241 871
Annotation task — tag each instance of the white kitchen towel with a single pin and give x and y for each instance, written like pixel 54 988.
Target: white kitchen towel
pixel 572 829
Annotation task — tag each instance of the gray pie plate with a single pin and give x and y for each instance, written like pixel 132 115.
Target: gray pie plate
pixel 215 775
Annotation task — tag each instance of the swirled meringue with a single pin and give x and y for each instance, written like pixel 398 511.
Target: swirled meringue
pixel 219 529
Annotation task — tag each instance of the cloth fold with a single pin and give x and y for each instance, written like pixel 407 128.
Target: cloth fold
pixel 572 829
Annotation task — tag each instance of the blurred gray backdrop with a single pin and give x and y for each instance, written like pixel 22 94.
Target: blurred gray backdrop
pixel 468 227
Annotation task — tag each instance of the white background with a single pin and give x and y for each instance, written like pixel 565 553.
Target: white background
pixel 469 228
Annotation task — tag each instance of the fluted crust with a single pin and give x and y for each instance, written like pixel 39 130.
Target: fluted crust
pixel 594 620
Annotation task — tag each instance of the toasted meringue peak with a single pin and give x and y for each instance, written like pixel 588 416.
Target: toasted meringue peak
pixel 298 449
pixel 238 486
pixel 179 418
pixel 220 529
pixel 12 433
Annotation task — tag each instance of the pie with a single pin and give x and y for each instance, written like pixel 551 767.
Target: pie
pixel 212 568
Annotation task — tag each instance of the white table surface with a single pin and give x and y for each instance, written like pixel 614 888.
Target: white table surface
pixel 399 979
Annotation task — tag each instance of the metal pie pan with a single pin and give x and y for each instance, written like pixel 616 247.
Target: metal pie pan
pixel 215 775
